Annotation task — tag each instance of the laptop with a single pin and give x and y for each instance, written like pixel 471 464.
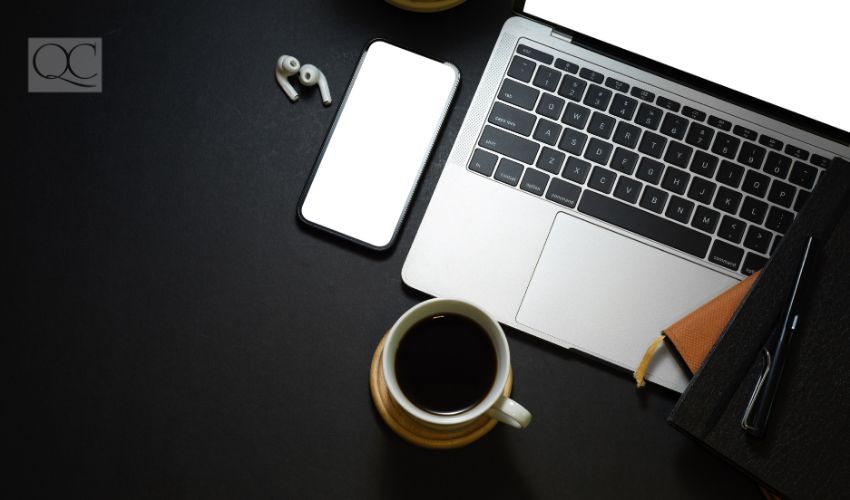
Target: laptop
pixel 621 164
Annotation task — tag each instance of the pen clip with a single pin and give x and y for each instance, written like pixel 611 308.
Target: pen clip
pixel 746 423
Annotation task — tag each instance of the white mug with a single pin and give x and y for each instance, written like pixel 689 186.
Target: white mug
pixel 494 404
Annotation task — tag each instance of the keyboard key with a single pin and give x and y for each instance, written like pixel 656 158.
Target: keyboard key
pixel 547 78
pixel 779 220
pixel 756 183
pixel 509 172
pixel 652 144
pixel 731 229
pixel 521 69
pixel 576 115
pixel 534 54
pixel 547 131
pixel 753 210
pixel 753 263
pixel 518 94
pixel 508 144
pixel 534 181
pixel 679 209
pixel 675 180
pixel 483 162
pixel 627 189
pixel 576 170
pixel 782 194
pixel 624 160
pixel 730 173
pixel 702 190
pixel 598 97
pixel 744 132
pixel 704 164
pixel 567 66
pixel 653 199
pixel 705 219
pixel 674 126
pixel 623 107
pixel 551 160
pixel 627 135
pixel 800 154
pixel 694 114
pixel 668 104
pixel 820 161
pixel 550 106
pixel 642 94
pixel 611 83
pixel 511 118
pixel 602 179
pixel 777 165
pixel 751 155
pixel 699 135
pixel 726 255
pixel 650 170
pixel 726 145
pixel 678 154
pixel 803 175
pixel 770 142
pixel 801 200
pixel 572 141
pixel 648 116
pixel 572 88
pixel 719 123
pixel 563 192
pixel 598 151
pixel 757 239
pixel 601 125
pixel 591 75
pixel 727 200
pixel 644 223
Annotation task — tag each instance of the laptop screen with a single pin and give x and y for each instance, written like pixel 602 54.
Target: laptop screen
pixel 789 53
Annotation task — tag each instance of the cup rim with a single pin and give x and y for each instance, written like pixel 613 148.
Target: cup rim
pixel 456 306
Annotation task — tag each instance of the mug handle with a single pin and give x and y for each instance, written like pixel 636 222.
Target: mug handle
pixel 508 411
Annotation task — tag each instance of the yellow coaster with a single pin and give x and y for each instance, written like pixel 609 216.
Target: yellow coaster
pixel 411 430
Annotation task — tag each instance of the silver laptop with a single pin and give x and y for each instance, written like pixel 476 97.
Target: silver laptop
pixel 597 192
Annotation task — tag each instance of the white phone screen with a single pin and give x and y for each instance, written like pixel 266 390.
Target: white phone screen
pixel 379 144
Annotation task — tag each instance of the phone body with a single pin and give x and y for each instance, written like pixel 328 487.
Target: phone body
pixel 380 141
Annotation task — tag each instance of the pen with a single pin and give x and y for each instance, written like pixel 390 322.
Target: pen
pixel 775 351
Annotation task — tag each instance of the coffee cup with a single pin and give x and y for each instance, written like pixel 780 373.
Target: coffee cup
pixel 446 363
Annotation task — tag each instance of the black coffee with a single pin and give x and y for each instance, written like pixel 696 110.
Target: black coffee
pixel 446 364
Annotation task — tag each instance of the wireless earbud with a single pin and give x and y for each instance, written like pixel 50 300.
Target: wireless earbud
pixel 287 66
pixel 311 75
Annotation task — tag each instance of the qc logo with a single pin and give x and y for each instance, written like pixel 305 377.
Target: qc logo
pixel 64 64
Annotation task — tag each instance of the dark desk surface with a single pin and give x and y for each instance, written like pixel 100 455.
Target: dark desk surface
pixel 183 336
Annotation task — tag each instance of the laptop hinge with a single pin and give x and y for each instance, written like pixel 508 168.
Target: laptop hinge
pixel 562 36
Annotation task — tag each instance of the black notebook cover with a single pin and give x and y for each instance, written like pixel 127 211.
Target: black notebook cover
pixel 806 450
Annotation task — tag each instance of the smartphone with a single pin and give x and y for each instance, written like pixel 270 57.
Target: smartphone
pixel 372 158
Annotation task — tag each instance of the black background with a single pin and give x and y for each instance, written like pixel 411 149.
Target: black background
pixel 177 333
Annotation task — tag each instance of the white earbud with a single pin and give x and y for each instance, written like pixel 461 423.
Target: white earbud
pixel 311 75
pixel 286 67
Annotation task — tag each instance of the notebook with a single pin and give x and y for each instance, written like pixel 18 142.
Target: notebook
pixel 805 451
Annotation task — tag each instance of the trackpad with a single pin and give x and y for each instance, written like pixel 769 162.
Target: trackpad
pixel 610 295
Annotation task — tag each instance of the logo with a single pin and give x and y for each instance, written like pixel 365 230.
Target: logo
pixel 64 64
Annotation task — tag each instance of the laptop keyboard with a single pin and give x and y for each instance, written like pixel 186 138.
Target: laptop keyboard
pixel 643 162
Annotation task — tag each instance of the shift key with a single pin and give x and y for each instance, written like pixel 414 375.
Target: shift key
pixel 508 144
